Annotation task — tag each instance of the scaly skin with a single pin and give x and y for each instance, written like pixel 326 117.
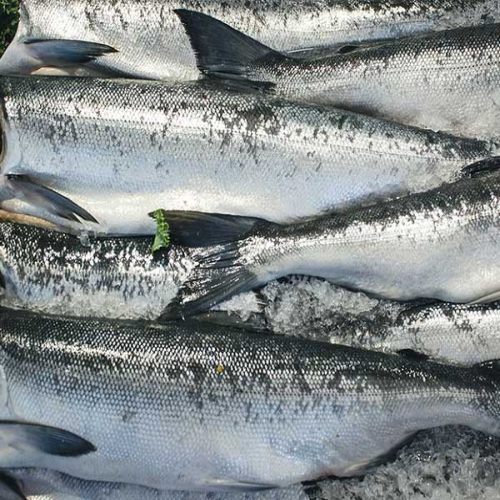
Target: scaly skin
pixel 117 277
pixel 440 244
pixel 45 484
pixel 202 407
pixel 450 332
pixel 446 81
pixel 121 149
pixel 152 43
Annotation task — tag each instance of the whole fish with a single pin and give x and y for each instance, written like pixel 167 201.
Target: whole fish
pixel 120 149
pixel 198 407
pixel 150 42
pixel 447 81
pixel 442 244
pixel 56 273
pixel 45 484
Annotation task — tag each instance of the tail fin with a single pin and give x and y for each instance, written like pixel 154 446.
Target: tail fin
pixel 26 57
pixel 221 270
pixel 219 274
pixel 198 229
pixel 220 49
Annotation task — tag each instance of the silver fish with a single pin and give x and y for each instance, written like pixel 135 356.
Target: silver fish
pixel 198 407
pixel 152 44
pixel 45 484
pixel 442 244
pixel 451 333
pixel 447 81
pixel 55 273
pixel 121 149
pixel 454 333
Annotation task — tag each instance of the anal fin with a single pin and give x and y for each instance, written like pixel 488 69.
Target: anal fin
pixel 10 488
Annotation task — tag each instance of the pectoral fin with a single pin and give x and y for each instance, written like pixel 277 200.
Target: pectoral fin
pixel 24 57
pixel 27 437
pixel 28 190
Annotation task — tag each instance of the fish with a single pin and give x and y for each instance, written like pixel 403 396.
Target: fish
pixel 46 484
pixel 463 334
pixel 56 273
pixel 172 406
pixel 446 81
pixel 99 154
pixel 451 333
pixel 150 43
pixel 441 244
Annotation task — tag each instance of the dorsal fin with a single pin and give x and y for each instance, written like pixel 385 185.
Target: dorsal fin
pixel 220 49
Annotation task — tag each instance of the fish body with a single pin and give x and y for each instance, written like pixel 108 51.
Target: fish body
pixel 122 149
pixel 45 484
pixel 447 81
pixel 206 408
pixel 441 244
pixel 454 333
pixel 61 274
pixel 151 42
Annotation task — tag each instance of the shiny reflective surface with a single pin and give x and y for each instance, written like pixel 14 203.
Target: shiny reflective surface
pixel 269 410
pixel 152 43
pixel 198 147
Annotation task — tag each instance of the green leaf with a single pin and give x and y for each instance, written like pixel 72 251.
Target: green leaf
pixel 9 15
pixel 162 237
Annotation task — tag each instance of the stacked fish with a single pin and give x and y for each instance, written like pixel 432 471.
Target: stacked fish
pixel 355 142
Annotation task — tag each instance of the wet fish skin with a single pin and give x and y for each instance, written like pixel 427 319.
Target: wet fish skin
pixel 56 273
pixel 198 147
pixel 45 484
pixel 300 409
pixel 441 244
pixel 152 44
pixel 454 333
pixel 446 81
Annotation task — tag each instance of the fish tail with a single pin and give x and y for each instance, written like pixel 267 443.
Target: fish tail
pixel 222 269
pixel 217 276
pixel 221 50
